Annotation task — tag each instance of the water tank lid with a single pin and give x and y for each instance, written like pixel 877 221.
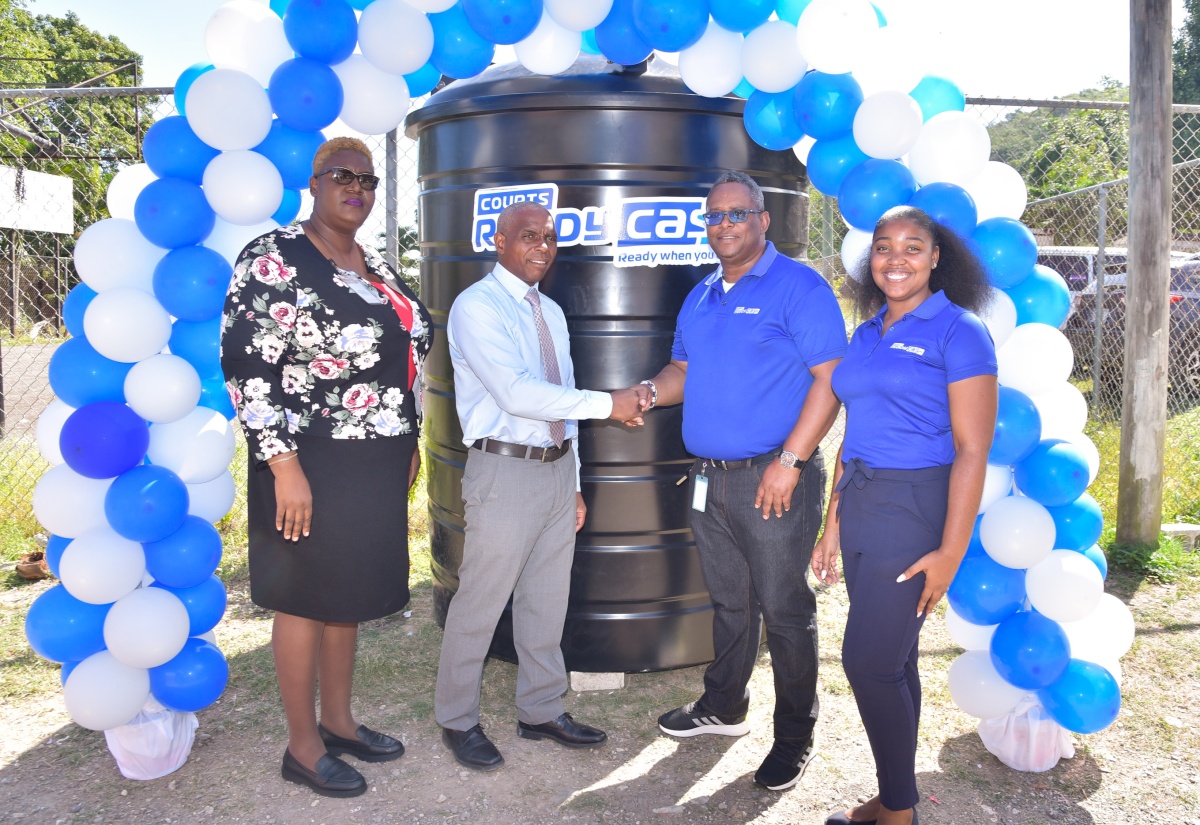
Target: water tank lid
pixel 593 82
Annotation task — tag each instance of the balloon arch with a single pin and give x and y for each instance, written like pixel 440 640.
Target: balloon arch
pixel 139 436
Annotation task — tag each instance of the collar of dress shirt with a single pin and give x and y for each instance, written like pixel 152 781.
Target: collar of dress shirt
pixel 511 283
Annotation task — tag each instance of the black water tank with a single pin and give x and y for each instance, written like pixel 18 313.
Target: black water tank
pixel 593 139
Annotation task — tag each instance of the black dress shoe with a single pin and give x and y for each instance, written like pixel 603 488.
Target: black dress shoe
pixel 472 748
pixel 370 746
pixel 333 777
pixel 565 731
pixel 840 818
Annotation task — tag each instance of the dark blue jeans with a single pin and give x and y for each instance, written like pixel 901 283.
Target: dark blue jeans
pixel 756 570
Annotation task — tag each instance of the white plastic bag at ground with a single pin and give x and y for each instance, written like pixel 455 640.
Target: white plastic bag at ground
pixel 157 742
pixel 1026 739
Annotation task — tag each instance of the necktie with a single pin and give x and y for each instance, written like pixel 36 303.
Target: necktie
pixel 558 429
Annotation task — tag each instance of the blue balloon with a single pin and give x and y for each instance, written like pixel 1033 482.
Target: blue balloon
pixel 214 396
pixel 1077 524
pixel 879 15
pixel 975 545
pixel 589 44
pixel 1018 428
pixel 305 94
pixel 948 204
pixel 1053 474
pixel 1007 249
pixel 503 21
pixel 872 188
pixel 147 503
pixel 361 4
pixel 103 439
pixel 741 15
pixel 826 105
pixel 193 680
pixel 458 50
pixel 1084 699
pixel 423 81
pixel 184 83
pixel 1041 297
pixel 75 304
pixel 983 591
pixel 829 161
pixel 280 6
pixel 618 37
pixel 190 282
pixel 187 557
pixel 771 120
pixel 322 30
pixel 1097 557
pixel 172 212
pixel 789 11
pixel 744 89
pixel 205 603
pixel 289 207
pixel 292 152
pixel 1030 651
pixel 65 673
pixel 61 628
pixel 55 546
pixel 198 343
pixel 79 375
pixel 670 25
pixel 172 150
pixel 936 95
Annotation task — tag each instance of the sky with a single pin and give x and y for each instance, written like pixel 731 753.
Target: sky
pixel 1014 48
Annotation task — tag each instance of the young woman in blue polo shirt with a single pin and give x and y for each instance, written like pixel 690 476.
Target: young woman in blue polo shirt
pixel 919 385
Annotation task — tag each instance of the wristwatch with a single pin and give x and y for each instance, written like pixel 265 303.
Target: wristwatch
pixel 790 460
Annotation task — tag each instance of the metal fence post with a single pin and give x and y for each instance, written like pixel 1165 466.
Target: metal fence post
pixel 391 201
pixel 1101 233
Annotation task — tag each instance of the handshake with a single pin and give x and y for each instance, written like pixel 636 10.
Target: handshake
pixel 630 404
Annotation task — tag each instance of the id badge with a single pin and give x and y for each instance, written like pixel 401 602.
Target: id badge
pixel 700 494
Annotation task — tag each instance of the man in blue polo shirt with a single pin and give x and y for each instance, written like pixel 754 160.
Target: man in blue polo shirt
pixel 755 347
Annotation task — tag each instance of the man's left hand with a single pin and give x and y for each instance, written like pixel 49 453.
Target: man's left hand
pixel 580 512
pixel 775 489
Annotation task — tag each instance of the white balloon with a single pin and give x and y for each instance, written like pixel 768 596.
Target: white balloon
pixel 997 483
pixel 968 635
pixel 576 15
pixel 163 388
pixel 712 66
pixel 431 6
pixel 100 567
pixel 395 37
pixel 771 59
pixel 228 110
pixel 102 693
pixel 246 36
pixel 833 34
pixel 375 102
pixel 951 147
pixel 124 188
pixel 803 147
pixel 503 54
pixel 212 500
pixel 855 245
pixel 197 447
pixel 670 58
pixel 243 187
pixel 877 68
pixel 229 239
pixel 49 428
pixel 210 636
pixel 1036 357
pixel 978 689
pixel 68 504
pixel 1017 532
pixel 999 191
pixel 126 324
pixel 1063 410
pixel 113 253
pixel 550 49
pixel 1000 317
pixel 887 124
pixel 1065 586
pixel 147 628
pixel 1105 634
pixel 1088 448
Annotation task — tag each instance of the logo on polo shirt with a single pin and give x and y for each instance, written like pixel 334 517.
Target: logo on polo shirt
pixel 906 348
pixel 746 311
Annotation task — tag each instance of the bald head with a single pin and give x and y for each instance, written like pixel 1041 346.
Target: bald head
pixel 526 243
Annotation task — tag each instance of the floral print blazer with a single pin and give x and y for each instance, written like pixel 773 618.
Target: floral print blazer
pixel 309 348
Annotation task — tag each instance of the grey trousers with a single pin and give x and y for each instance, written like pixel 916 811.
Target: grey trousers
pixel 520 540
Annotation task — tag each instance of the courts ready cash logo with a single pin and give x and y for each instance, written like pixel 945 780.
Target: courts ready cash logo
pixel 639 231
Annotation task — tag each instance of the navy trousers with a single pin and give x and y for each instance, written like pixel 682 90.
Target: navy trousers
pixel 889 519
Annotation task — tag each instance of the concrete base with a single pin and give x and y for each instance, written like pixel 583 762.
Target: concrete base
pixel 1187 534
pixel 581 682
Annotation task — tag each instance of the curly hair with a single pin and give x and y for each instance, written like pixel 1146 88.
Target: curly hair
pixel 337 144
pixel 960 274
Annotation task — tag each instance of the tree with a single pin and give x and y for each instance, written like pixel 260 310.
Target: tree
pixel 1185 57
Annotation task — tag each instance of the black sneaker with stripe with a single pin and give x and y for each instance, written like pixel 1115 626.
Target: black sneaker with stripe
pixel 785 764
pixel 694 719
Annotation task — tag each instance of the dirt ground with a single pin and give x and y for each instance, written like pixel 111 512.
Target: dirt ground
pixel 1144 769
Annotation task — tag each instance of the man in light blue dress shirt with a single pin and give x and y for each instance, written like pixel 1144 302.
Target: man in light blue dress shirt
pixel 515 389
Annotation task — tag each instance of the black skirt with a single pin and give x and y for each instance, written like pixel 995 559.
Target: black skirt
pixel 354 565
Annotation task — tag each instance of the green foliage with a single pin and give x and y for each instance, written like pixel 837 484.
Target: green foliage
pixel 1167 562
pixel 1185 57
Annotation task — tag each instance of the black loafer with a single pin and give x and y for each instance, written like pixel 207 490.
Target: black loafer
pixel 370 746
pixel 565 731
pixel 840 818
pixel 333 777
pixel 472 748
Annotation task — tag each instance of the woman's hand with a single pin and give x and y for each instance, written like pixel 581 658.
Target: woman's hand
pixel 293 499
pixel 939 568
pixel 825 558
pixel 414 468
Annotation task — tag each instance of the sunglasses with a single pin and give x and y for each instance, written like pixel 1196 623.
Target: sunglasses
pixel 343 177
pixel 735 216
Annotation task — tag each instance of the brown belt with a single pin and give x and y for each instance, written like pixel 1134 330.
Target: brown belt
pixel 540 454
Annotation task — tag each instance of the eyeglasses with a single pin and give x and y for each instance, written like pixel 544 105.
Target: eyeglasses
pixel 343 176
pixel 735 216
